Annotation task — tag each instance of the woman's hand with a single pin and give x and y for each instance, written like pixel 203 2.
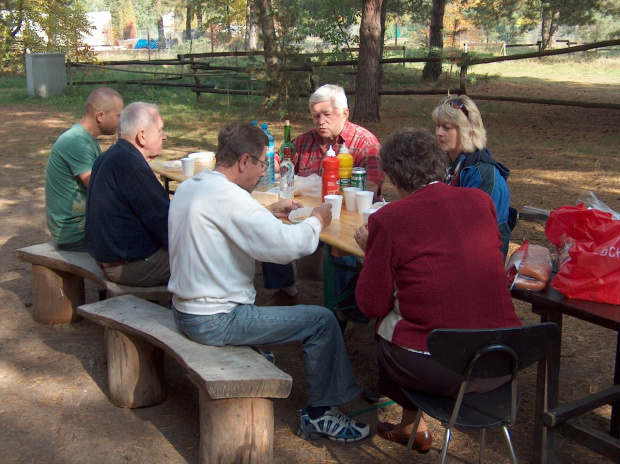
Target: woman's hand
pixel 361 236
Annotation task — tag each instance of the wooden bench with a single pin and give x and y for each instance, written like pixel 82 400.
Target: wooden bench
pixel 235 383
pixel 58 283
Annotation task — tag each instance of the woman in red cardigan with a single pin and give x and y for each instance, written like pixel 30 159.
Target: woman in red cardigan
pixel 432 261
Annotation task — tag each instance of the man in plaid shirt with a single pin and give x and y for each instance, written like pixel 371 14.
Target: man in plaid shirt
pixel 330 113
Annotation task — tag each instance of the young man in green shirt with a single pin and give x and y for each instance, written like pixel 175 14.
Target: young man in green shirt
pixel 69 165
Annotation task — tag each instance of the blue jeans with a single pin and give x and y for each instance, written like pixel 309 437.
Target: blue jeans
pixel 329 377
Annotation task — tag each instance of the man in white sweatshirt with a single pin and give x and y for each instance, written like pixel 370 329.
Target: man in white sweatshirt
pixel 216 233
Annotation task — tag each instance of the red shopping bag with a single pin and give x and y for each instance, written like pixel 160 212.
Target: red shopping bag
pixel 588 246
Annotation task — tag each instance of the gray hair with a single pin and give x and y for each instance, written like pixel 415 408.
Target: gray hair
pixel 331 93
pixel 472 134
pixel 136 116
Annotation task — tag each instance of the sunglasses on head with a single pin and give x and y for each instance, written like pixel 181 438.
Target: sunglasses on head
pixel 459 105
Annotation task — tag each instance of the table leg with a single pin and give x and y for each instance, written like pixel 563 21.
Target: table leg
pixel 330 299
pixel 547 388
pixel 614 430
pixel 329 291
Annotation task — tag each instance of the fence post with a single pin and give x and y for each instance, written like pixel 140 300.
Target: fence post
pixel 504 48
pixel 463 76
pixel 181 58
pixel 70 75
pixel 404 55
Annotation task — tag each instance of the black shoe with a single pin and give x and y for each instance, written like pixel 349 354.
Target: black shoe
pixel 374 395
pixel 354 315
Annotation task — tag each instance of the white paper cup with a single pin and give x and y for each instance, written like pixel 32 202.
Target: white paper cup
pixel 188 166
pixel 366 213
pixel 336 202
pixel 364 200
pixel 350 202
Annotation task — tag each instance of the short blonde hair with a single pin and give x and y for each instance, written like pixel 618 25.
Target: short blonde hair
pixel 465 115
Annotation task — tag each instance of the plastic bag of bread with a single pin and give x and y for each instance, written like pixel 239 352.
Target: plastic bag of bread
pixel 529 268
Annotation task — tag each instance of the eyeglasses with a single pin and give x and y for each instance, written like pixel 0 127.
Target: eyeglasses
pixel 264 163
pixel 459 105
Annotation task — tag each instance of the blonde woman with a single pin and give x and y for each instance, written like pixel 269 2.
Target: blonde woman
pixel 461 134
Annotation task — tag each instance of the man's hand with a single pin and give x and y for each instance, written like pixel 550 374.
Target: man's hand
pixel 361 236
pixel 282 208
pixel 324 214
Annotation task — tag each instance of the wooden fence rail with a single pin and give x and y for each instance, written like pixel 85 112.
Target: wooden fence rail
pixel 201 69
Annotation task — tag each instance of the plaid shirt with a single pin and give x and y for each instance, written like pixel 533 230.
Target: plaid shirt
pixel 362 144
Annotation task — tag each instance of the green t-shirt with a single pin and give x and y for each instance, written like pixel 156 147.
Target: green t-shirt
pixel 74 153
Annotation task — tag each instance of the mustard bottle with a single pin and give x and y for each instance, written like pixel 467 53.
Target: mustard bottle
pixel 346 167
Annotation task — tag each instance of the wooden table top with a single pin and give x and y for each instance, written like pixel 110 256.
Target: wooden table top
pixel 602 314
pixel 177 176
pixel 339 234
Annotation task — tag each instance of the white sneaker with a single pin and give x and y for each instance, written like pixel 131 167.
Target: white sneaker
pixel 333 425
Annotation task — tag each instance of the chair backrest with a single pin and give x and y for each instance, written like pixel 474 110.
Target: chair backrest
pixel 454 348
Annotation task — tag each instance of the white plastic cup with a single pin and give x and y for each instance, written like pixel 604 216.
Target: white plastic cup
pixel 350 202
pixel 336 202
pixel 188 166
pixel 364 200
pixel 366 213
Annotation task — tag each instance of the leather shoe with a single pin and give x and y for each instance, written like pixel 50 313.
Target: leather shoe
pixel 281 298
pixel 422 442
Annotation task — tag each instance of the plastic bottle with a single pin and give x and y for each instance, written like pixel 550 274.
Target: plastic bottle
pixel 287 170
pixel 270 176
pixel 330 174
pixel 346 168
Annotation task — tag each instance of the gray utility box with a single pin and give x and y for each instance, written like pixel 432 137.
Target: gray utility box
pixel 45 73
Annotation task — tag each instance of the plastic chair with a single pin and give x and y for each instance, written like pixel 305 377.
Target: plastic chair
pixel 485 353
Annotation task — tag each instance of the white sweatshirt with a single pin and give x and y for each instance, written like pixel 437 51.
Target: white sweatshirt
pixel 216 231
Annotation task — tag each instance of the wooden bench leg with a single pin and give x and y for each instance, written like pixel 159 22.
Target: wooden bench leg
pixel 56 295
pixel 236 430
pixel 135 370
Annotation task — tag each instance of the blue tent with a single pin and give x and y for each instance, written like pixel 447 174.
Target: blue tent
pixel 143 43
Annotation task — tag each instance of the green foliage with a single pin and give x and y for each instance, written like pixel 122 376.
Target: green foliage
pixel 331 21
pixel 35 26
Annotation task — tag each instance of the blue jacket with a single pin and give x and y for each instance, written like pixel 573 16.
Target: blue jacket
pixel 479 170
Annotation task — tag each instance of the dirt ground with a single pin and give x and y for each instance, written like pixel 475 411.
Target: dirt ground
pixel 54 406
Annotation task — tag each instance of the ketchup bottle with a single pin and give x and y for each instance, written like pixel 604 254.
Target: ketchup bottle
pixel 330 174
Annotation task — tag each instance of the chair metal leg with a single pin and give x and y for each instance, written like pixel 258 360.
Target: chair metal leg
pixel 483 436
pixel 446 442
pixel 416 424
pixel 513 456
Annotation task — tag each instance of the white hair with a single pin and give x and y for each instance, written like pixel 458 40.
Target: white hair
pixel 136 116
pixel 331 93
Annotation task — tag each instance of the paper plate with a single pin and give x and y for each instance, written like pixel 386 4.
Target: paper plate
pixel 172 166
pixel 300 214
pixel 202 156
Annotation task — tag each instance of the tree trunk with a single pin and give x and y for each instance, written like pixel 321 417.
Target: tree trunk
pixel 252 27
pixel 161 35
pixel 272 62
pixel 552 35
pixel 432 69
pixel 369 72
pixel 188 23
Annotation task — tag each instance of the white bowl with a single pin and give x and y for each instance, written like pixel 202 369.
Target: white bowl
pixel 300 214
pixel 172 165
pixel 200 156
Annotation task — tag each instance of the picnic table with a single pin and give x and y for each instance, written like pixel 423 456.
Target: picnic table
pixel 337 239
pixel 550 417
